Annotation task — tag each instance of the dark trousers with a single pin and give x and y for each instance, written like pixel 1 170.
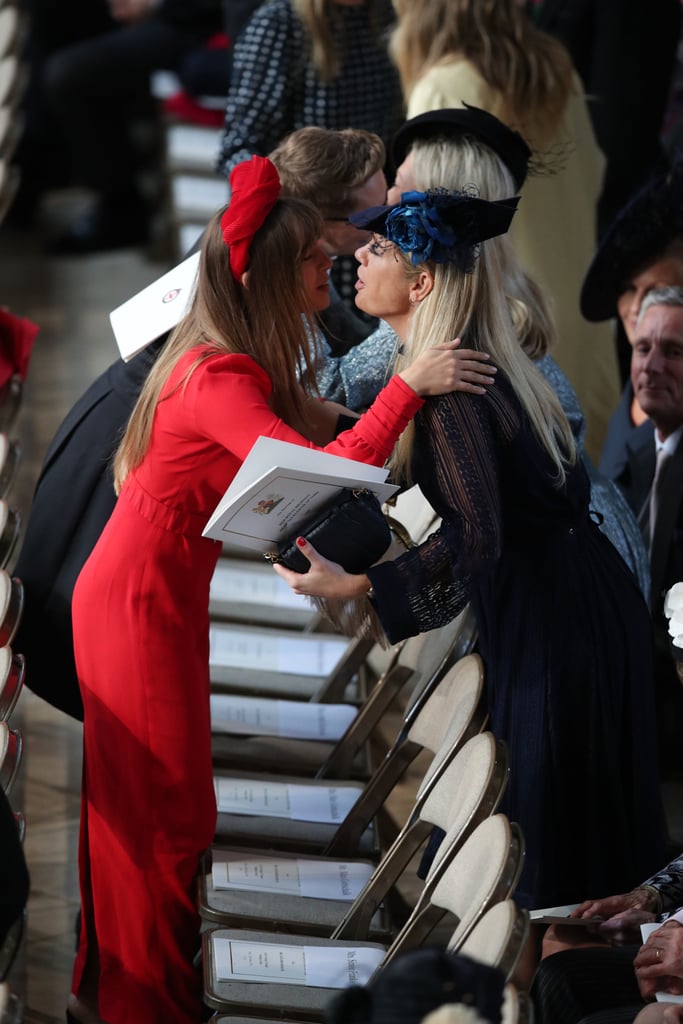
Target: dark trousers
pixel 596 985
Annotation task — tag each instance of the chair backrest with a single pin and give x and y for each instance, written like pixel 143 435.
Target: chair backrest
pixel 490 862
pixel 414 513
pixel 481 872
pixel 10 451
pixel 517 1006
pixel 469 786
pixel 467 790
pixel 450 706
pixel 12 672
pixel 429 655
pixel 457 696
pixel 11 748
pixel 498 938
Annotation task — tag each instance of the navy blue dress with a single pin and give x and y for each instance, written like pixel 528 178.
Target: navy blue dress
pixel 564 633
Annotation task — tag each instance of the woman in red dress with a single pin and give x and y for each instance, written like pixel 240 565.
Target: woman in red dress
pixel 140 608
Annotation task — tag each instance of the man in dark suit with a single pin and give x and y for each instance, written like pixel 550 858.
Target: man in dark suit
pixel 652 481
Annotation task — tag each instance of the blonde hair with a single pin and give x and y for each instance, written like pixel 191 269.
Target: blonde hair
pixel 317 18
pixel 453 163
pixel 325 166
pixel 262 320
pixel 531 70
pixel 473 307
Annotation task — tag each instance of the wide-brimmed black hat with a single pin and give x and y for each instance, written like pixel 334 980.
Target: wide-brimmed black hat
pixel 416 984
pixel 640 233
pixel 457 121
pixel 439 225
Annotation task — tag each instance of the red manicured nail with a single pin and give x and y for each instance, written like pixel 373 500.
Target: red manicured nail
pixel 300 541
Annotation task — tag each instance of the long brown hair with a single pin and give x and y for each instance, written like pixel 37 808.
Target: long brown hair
pixel 530 69
pixel 263 320
pixel 474 307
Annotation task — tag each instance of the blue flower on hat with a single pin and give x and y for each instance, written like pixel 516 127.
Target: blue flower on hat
pixel 418 227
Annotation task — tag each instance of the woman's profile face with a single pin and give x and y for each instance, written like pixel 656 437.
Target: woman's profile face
pixel 382 287
pixel 315 276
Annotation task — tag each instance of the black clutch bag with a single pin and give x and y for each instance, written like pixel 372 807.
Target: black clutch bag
pixel 352 531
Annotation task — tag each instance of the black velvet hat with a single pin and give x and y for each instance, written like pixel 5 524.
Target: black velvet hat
pixel 416 984
pixel 439 225
pixel 640 233
pixel 456 121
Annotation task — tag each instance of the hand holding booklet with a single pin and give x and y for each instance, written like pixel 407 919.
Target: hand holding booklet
pixel 281 485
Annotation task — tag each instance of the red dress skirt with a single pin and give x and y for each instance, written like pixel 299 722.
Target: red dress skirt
pixel 141 638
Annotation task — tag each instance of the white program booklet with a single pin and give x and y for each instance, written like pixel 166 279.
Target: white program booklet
pixel 646 931
pixel 327 805
pixel 301 654
pixel 317 966
pixel 280 485
pixel 292 719
pixel 294 876
pixel 250 585
pixel 156 309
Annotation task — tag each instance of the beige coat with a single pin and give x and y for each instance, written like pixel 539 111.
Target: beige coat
pixel 554 233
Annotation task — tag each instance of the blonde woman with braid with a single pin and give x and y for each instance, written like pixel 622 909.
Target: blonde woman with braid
pixel 489 53
pixel 563 628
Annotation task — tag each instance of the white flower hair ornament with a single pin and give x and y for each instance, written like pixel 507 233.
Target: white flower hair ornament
pixel 673 609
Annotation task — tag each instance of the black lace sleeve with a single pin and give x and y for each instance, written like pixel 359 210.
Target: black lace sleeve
pixel 458 450
pixel 669 884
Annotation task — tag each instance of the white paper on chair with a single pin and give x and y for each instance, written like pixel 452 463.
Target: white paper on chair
pixel 280 485
pixel 662 997
pixel 296 876
pixel 323 804
pixel 285 718
pixel 156 309
pixel 232 584
pixel 317 966
pixel 294 655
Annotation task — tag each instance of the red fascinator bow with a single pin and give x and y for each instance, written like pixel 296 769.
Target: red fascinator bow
pixel 255 189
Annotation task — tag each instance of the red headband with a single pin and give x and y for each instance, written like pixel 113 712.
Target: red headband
pixel 255 189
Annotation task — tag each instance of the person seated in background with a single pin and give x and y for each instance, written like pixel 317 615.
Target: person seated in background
pixel 642 250
pixel 420 984
pixel 585 973
pixel 652 481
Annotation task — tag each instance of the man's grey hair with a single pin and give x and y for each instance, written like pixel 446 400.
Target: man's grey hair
pixel 671 295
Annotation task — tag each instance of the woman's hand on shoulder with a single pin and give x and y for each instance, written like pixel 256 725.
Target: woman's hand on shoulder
pixel 447 367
